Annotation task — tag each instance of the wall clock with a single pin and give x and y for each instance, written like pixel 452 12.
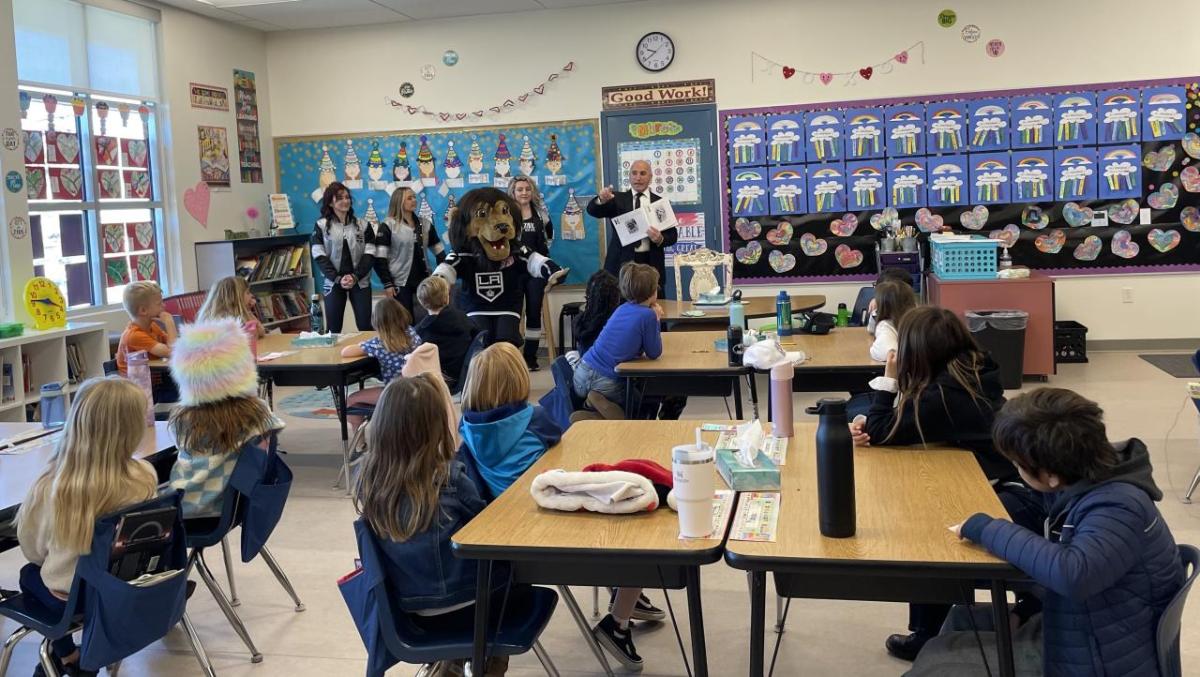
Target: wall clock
pixel 655 51
pixel 45 304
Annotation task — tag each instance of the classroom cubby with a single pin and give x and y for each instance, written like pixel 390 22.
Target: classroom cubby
pixel 38 357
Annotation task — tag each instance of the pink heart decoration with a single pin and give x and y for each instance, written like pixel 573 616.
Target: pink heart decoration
pixel 196 202
pixel 570 66
pixel 866 73
pixel 1191 144
pixel 1190 217
pixel 781 234
pixel 975 219
pixel 1123 245
pixel 845 226
pixel 1076 215
pixel 523 97
pixel 811 245
pixel 478 113
pixel 1163 240
pixel 444 116
pixel 552 77
pixel 1007 235
pixel 1125 211
pixel 412 110
pixel 495 109
pixel 1051 242
pixel 1160 161
pixel 750 254
pixel 747 230
pixel 826 78
pixel 1164 198
pixel 539 90
pixel 847 257
pixel 929 222
pixel 780 262
pixel 508 103
pixel 788 72
pixel 902 57
pixel 460 116
pixel 1089 249
pixel 1190 177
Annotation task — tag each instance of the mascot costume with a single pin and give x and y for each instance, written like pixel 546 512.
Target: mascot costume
pixel 491 262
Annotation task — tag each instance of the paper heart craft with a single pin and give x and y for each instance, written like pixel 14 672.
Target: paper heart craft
pixel 788 72
pixel 523 97
pixel 747 230
pixel 1191 144
pixel 196 202
pixel 1123 245
pixel 68 147
pixel 1075 215
pixel 144 234
pixel 1164 198
pixel 902 57
pixel 1190 217
pixel 114 237
pixel 812 245
pixel 1051 242
pixel 888 218
pixel 1190 178
pixel 781 234
pixel 847 257
pixel 1007 235
pixel 975 219
pixel 750 254
pixel 780 262
pixel 845 226
pixel 1034 217
pixel 866 74
pixel 929 222
pixel 539 90
pixel 1160 161
pixel 1124 212
pixel 1163 240
pixel 1089 249
pixel 460 116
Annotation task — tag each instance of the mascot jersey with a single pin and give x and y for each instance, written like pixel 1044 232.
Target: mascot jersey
pixel 490 288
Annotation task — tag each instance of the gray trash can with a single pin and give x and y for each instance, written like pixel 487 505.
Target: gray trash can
pixel 1002 333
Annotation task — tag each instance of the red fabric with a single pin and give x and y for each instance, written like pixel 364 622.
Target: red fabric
pixel 642 466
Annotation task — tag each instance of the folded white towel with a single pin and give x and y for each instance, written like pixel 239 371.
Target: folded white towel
pixel 613 491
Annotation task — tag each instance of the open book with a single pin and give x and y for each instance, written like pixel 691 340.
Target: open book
pixel 633 225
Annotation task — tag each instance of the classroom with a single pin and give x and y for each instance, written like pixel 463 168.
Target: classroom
pixel 597 337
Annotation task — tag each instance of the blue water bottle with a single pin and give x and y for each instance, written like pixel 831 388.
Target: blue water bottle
pixel 783 314
pixel 53 405
pixel 737 314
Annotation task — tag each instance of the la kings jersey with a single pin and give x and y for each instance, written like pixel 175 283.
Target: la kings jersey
pixel 492 292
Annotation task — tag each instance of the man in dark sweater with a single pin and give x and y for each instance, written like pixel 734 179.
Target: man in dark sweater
pixel 445 326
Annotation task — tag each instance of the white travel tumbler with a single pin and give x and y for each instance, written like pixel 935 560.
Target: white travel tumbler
pixel 692 469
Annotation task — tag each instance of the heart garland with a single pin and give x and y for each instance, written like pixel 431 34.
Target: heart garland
pixel 509 103
pixel 763 64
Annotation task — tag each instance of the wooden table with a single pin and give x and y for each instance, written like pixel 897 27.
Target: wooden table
pixel 837 361
pixel 902 550
pixel 756 307
pixel 583 548
pixel 690 364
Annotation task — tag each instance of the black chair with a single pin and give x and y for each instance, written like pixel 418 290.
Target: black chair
pixel 1169 623
pixel 110 367
pixel 1196 401
pixel 568 310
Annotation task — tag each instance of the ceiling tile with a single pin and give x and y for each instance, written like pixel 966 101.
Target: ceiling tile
pixel 320 13
pixel 563 4
pixel 441 9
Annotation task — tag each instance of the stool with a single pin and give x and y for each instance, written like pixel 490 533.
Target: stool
pixel 569 310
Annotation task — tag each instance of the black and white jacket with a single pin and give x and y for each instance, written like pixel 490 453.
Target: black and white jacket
pixel 394 254
pixel 491 290
pixel 343 249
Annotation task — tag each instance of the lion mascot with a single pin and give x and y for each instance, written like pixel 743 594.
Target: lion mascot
pixel 491 262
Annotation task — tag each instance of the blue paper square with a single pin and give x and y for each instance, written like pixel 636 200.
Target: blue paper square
pixel 1120 112
pixel 990 178
pixel 826 188
pixel 866 184
pixel 823 134
pixel 749 192
pixel 949 181
pixel 905 130
pixel 1075 174
pixel 906 182
pixel 785 139
pixel 747 142
pixel 1120 172
pixel 1164 113
pixel 1075 119
pixel 989 122
pixel 1032 175
pixel 946 122
pixel 1031 122
pixel 786 184
pixel 865 133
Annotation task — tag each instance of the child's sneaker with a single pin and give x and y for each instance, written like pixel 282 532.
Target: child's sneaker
pixel 644 610
pixel 618 642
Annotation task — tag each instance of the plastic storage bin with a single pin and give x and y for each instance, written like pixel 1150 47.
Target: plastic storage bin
pixel 1002 333
pixel 1070 342
pixel 959 259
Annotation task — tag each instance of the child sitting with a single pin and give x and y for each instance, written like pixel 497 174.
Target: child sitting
pixel 151 328
pixel 219 412
pixel 632 331
pixel 892 300
pixel 445 326
pixel 92 473
pixel 230 297
pixel 391 347
pixel 897 274
pixel 1106 558
pixel 601 298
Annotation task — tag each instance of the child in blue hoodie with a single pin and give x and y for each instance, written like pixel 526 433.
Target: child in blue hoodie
pixel 503 435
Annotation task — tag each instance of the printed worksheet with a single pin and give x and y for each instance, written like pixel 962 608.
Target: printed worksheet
pixel 757 517
pixel 776 449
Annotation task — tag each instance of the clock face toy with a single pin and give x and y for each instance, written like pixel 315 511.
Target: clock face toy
pixel 655 51
pixel 45 303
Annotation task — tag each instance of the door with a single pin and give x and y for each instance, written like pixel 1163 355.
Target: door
pixel 680 145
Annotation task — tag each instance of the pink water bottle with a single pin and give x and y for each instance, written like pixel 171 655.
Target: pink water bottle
pixel 781 398
pixel 251 329
pixel 137 369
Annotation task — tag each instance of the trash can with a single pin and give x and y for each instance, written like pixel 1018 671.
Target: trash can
pixel 1002 333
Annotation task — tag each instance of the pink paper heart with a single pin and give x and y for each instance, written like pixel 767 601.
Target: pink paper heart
pixel 196 202
pixel 1190 217
pixel 552 77
pixel 902 57
pixel 1190 177
pixel 1163 240
pixel 845 226
pixel 812 245
pixel 478 113
pixel 975 219
pixel 539 90
pixel 750 254
pixel 847 257
pixel 523 97
pixel 1123 245
pixel 1089 249
pixel 826 78
pixel 1007 235
pixel 1051 242
pixel 412 110
pixel 929 222
pixel 495 109
pixel 781 234
pixel 460 116
pixel 1164 198
pixel 570 66
pixel 747 230
pixel 444 116
pixel 780 262
pixel 508 103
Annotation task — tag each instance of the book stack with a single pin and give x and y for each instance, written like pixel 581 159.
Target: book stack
pixel 76 366
pixel 277 263
pixel 282 306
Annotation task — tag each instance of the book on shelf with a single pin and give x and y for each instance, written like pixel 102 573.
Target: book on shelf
pixel 9 392
pixel 27 368
pixel 275 263
pixel 76 367
pixel 245 266
pixel 277 307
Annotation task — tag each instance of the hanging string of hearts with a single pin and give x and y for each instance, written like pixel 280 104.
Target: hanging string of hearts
pixel 506 105
pixel 762 64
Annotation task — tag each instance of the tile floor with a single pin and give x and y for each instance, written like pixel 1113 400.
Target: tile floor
pixel 315 545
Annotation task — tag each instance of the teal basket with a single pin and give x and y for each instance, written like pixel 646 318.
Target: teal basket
pixel 973 259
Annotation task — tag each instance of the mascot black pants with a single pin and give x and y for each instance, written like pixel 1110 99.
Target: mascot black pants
pixel 335 307
pixel 535 295
pixel 505 328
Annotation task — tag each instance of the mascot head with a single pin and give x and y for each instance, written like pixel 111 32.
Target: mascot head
pixel 486 222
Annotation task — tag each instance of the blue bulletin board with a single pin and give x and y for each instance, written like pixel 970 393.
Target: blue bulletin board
pixel 443 164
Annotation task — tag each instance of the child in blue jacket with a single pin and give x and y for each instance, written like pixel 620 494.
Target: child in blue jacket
pixel 1106 559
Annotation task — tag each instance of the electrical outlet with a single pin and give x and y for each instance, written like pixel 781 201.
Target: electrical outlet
pixel 1126 294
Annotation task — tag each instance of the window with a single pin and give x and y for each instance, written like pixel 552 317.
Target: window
pixel 89 125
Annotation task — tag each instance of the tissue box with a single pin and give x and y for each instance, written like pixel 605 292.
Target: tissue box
pixel 764 476
pixel 322 341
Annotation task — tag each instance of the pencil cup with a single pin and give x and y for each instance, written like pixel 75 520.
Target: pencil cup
pixel 692 469
pixel 887 244
pixel 908 244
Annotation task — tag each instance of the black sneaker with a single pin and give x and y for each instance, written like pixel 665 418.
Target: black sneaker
pixel 618 642
pixel 643 610
pixel 906 647
pixel 5 594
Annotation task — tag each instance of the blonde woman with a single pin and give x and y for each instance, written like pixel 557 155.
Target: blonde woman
pixel 230 298
pixel 92 473
pixel 537 233
pixel 400 244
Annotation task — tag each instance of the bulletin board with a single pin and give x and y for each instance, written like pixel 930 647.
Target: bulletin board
pixel 1095 178
pixel 443 164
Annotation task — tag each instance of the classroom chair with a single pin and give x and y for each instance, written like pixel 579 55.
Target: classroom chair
pixel 859 317
pixel 1169 661
pixel 392 636
pixel 703 262
pixel 560 402
pixel 185 306
pixel 117 619
pixel 162 410
pixel 257 492
pixel 568 310
pixel 1196 401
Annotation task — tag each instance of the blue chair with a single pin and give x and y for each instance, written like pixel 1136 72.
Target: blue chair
pixel 392 636
pixel 257 492
pixel 859 318
pixel 117 618
pixel 561 402
pixel 1196 401
pixel 1169 624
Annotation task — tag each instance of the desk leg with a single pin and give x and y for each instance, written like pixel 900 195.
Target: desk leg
pixel 737 397
pixel 768 397
pixel 1004 645
pixel 630 384
pixel 753 392
pixel 758 612
pixel 483 595
pixel 339 403
pixel 696 620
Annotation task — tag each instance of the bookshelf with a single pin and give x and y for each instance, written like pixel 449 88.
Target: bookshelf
pixel 279 270
pixel 71 355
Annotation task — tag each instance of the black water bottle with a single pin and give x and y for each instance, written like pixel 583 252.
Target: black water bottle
pixel 733 342
pixel 316 316
pixel 835 469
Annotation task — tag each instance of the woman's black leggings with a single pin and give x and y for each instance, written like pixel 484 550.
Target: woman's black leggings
pixel 335 307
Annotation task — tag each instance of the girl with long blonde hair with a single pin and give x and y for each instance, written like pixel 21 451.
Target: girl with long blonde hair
pixel 400 244
pixel 93 472
pixel 230 297
pixel 537 233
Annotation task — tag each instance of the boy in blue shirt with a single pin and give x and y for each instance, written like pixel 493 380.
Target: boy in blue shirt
pixel 1107 560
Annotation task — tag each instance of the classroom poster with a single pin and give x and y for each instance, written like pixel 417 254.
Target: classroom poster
pixel 1030 121
pixel 866 185
pixel 214 155
pixel 865 133
pixel 245 95
pixel 674 167
pixel 785 139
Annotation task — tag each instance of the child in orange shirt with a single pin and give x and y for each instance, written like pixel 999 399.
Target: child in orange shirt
pixel 143 301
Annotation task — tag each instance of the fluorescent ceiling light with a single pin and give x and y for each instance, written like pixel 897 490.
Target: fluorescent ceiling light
pixel 226 4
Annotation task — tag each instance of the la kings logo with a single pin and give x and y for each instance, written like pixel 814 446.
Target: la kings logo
pixel 489 286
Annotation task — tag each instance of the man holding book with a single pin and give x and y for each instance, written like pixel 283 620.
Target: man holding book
pixel 648 250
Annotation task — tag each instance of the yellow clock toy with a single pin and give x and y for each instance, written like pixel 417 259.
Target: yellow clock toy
pixel 45 304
